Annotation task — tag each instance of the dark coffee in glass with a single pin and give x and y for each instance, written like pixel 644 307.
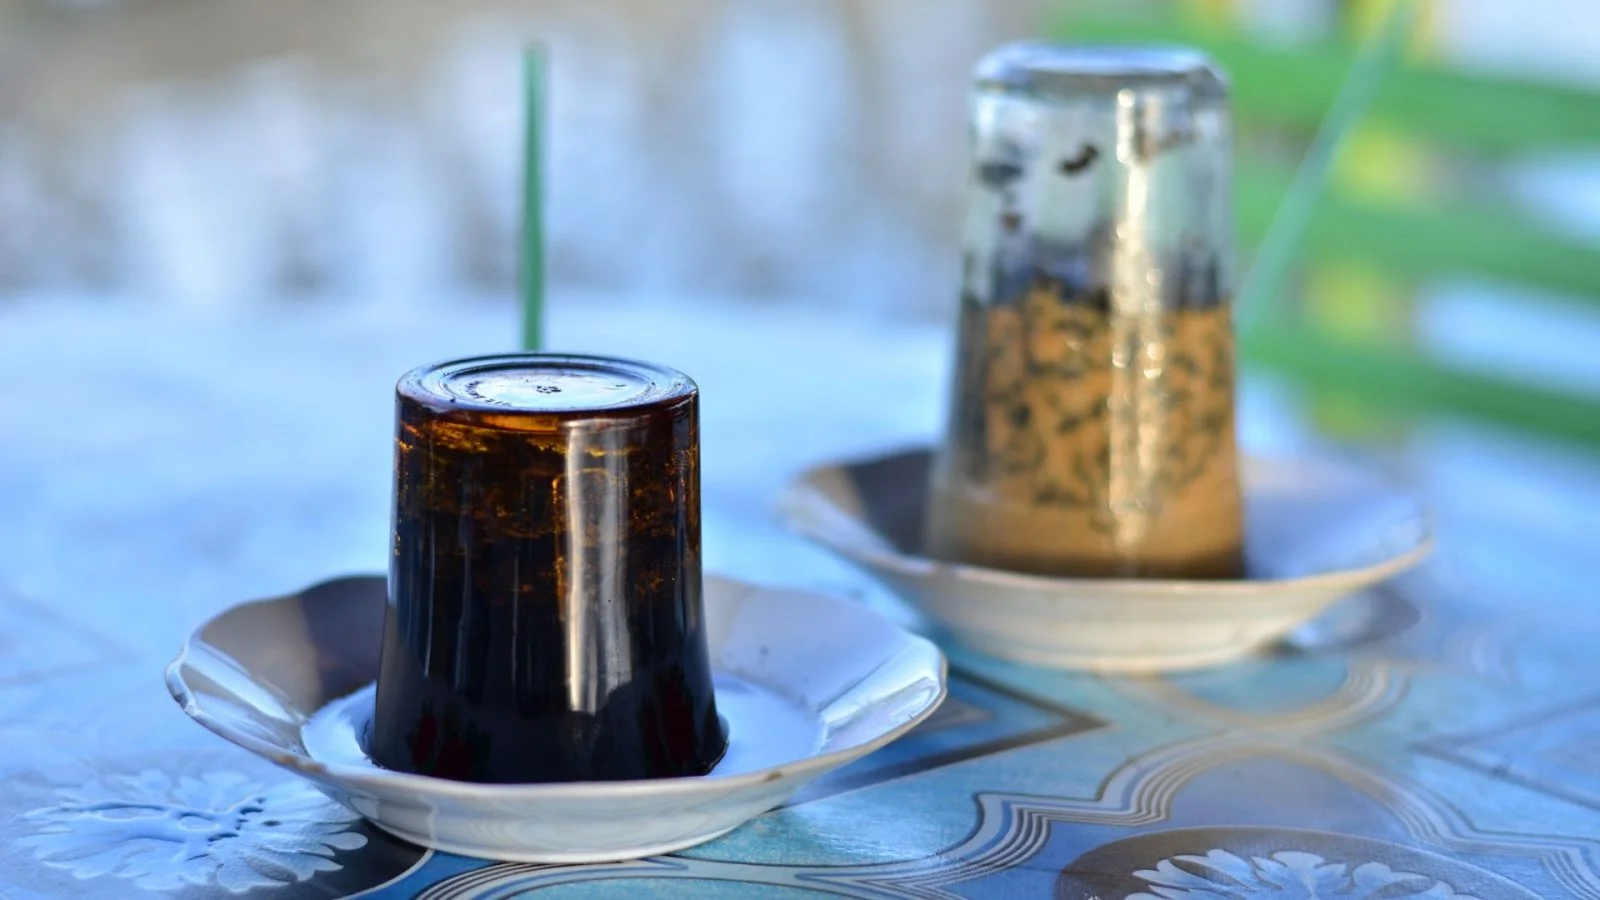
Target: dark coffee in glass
pixel 545 619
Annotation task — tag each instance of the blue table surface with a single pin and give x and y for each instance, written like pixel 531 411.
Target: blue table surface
pixel 1439 738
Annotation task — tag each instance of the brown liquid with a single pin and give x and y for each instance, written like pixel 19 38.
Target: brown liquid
pixel 1089 443
pixel 545 588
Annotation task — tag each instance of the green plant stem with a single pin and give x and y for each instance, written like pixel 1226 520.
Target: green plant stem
pixel 532 280
pixel 1459 236
pixel 1293 86
pixel 1281 248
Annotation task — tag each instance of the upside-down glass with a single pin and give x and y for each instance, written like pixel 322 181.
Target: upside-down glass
pixel 545 619
pixel 1091 425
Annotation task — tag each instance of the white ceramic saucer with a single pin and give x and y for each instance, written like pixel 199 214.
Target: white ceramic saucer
pixel 805 682
pixel 1314 532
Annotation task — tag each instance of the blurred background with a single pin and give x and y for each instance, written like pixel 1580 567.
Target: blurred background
pixel 202 155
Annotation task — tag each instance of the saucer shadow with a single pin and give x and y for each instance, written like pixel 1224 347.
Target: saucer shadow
pixel 894 496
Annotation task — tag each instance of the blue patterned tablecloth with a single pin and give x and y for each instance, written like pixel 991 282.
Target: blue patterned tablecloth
pixel 1436 739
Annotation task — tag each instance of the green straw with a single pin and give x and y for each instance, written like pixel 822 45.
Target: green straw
pixel 532 280
pixel 1284 239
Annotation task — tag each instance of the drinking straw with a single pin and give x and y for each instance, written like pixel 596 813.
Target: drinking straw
pixel 1281 247
pixel 532 262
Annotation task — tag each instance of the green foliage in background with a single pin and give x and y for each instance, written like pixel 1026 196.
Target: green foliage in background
pixel 1438 230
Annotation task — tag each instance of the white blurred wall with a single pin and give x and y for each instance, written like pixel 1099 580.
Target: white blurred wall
pixel 208 153
pixel 204 153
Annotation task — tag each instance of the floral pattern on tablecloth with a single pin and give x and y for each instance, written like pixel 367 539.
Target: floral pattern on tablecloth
pixel 220 828
pixel 1285 875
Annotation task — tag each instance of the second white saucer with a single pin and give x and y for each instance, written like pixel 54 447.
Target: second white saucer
pixel 1314 532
